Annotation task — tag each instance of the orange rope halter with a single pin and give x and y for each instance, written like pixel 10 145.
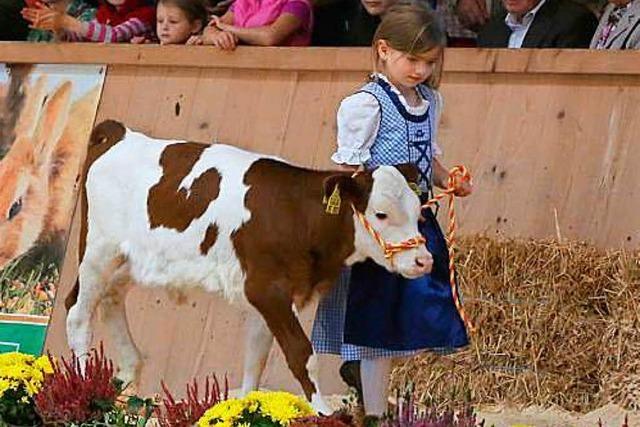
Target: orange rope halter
pixel 454 173
pixel 389 249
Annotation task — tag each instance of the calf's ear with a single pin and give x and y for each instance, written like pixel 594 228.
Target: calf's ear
pixel 409 171
pixel 341 190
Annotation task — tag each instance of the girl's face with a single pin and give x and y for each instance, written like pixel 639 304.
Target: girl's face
pixel 406 70
pixel 173 26
pixel 116 2
pixel 377 7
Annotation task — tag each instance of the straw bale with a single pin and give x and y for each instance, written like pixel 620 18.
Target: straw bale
pixel 559 324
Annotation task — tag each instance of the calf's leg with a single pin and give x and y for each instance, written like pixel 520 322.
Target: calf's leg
pixel 94 272
pixel 114 316
pixel 257 347
pixel 276 307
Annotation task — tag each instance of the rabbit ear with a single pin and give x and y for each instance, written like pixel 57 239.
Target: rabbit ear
pixel 53 120
pixel 35 97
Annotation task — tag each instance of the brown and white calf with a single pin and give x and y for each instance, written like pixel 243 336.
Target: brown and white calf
pixel 173 214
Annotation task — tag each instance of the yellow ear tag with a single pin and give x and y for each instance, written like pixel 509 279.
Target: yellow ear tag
pixel 334 202
pixel 415 188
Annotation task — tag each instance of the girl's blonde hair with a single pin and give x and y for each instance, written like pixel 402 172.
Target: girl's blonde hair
pixel 413 29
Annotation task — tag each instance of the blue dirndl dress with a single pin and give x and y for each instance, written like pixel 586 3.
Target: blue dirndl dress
pixel 371 312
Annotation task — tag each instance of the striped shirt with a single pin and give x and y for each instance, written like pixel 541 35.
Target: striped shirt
pixel 93 31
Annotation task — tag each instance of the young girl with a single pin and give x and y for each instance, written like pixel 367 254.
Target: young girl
pixel 177 21
pixel 373 315
pixel 115 21
pixel 261 23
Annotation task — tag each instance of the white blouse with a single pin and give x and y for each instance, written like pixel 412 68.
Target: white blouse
pixel 359 119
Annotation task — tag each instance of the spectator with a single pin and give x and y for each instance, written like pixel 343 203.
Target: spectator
pixel 540 24
pixel 458 35
pixel 12 26
pixel 473 14
pixel 349 22
pixel 82 10
pixel 115 21
pixel 619 27
pixel 177 21
pixel 260 23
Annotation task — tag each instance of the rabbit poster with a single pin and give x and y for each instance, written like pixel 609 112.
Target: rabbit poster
pixel 46 116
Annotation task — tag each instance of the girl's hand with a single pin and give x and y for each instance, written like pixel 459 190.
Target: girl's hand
pixel 195 40
pixel 220 39
pixel 462 187
pixel 139 40
pixel 225 41
pixel 217 22
pixel 44 18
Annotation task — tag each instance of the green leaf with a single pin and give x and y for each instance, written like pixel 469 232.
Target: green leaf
pixel 135 403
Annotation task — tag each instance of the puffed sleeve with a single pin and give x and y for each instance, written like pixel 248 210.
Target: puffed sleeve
pixel 358 123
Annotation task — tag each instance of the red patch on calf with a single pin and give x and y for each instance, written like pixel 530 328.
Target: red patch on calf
pixel 209 239
pixel 172 207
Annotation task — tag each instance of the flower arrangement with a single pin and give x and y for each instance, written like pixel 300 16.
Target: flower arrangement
pixel 73 395
pixel 21 377
pixel 257 409
pixel 186 412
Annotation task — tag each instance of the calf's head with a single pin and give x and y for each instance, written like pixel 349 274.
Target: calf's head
pixel 392 209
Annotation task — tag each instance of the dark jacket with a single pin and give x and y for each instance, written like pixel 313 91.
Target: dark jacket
pixel 12 26
pixel 343 23
pixel 558 24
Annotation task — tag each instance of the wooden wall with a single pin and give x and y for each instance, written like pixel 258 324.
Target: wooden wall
pixel 550 137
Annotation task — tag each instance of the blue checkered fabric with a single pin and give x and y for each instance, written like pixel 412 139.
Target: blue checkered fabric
pixel 403 137
pixel 328 328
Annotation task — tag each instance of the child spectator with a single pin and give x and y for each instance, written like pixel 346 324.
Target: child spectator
pixel 372 315
pixel 116 21
pixel 177 21
pixel 261 23
pixel 82 10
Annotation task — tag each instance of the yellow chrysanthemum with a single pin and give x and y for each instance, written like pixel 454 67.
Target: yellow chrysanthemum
pixel 280 407
pixel 23 370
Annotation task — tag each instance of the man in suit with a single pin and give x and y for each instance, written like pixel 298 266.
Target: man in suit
pixel 619 26
pixel 540 24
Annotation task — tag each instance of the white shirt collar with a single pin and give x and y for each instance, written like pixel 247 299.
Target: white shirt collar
pixel 424 104
pixel 513 23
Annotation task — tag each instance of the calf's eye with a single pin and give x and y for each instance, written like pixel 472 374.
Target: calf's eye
pixel 381 216
pixel 15 209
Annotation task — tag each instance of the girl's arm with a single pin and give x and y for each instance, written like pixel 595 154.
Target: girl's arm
pixel 76 30
pixel 440 174
pixel 212 35
pixel 268 35
pixel 96 32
